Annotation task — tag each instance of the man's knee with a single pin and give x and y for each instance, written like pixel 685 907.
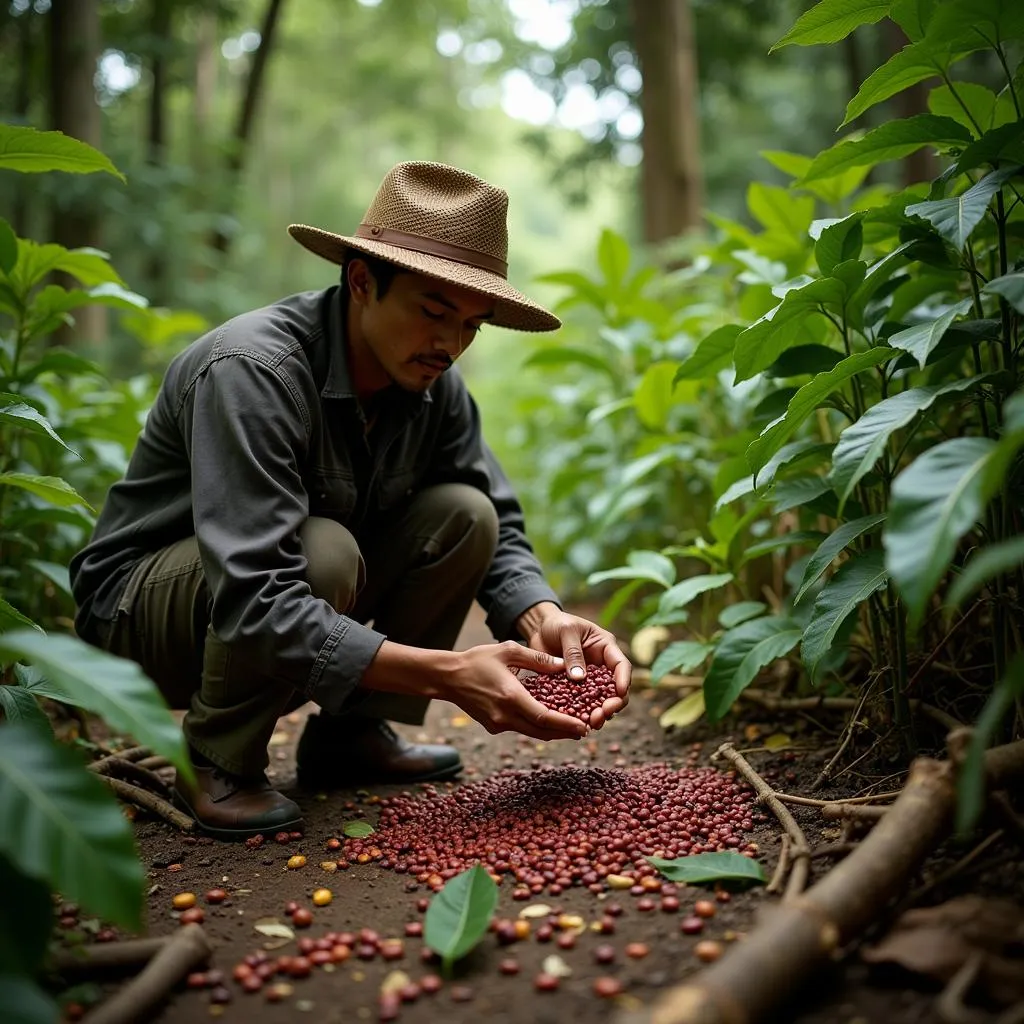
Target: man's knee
pixel 464 517
pixel 335 570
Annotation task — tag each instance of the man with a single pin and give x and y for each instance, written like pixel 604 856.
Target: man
pixel 315 467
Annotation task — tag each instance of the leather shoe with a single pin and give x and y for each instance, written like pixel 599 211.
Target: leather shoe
pixel 234 807
pixel 338 751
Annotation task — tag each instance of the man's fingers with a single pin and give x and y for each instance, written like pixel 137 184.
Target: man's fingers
pixel 526 657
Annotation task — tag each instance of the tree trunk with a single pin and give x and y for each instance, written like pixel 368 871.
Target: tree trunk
pixel 74 50
pixel 671 179
pixel 156 142
pixel 25 28
pixel 922 165
pixel 220 240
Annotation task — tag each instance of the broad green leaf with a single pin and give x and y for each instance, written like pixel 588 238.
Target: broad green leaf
pixel 710 867
pixel 8 247
pixel 933 503
pixel 734 614
pixel 653 396
pixel 807 399
pixel 982 105
pixel 781 211
pixel 802 492
pixel 742 653
pixel 984 566
pixel 957 217
pixel 793 164
pixel 59 824
pixel 977 22
pixel 890 141
pixel 18 705
pixel 712 354
pixel 832 20
pixel 854 582
pixel 971 780
pixel 11 618
pixel 114 688
pixel 1004 144
pixel 49 488
pixel 27 150
pixel 52 303
pixel 862 443
pixel 613 257
pixel 24 1002
pixel 61 361
pixel 1009 287
pixel 56 574
pixel 680 595
pixel 913 16
pixel 684 712
pixel 785 540
pixel 654 564
pixel 831 546
pixel 567 355
pixel 26 920
pixel 838 243
pixel 586 290
pixel 357 829
pixel 682 656
pixel 459 915
pixel 788 454
pixel 804 359
pixel 35 261
pixel 27 417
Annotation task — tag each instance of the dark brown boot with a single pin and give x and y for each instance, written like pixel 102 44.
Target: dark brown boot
pixel 234 807
pixel 339 750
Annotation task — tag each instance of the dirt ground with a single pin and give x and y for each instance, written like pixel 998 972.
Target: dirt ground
pixel 259 885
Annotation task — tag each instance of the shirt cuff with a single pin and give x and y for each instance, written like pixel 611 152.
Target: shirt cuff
pixel 512 600
pixel 340 665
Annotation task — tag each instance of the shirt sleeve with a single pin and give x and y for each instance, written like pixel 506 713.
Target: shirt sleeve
pixel 515 580
pixel 247 432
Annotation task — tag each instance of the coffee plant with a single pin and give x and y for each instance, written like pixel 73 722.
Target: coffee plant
pixel 63 430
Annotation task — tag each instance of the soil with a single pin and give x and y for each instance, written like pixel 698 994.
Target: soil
pixel 259 885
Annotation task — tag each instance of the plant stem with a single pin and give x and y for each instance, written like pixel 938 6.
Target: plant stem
pixel 1009 80
pixel 900 700
pixel 972 273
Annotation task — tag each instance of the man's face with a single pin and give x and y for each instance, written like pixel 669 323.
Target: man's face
pixel 415 332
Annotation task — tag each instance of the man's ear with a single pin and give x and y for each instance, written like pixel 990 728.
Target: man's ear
pixel 361 284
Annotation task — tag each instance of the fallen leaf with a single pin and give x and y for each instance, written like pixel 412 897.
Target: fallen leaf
pixel 777 741
pixel 647 642
pixel 556 966
pixel 535 910
pixel 684 712
pixel 357 829
pixel 273 928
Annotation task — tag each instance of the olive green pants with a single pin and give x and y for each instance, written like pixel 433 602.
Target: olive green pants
pixel 415 574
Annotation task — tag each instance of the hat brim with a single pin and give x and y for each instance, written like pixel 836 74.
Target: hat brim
pixel 512 309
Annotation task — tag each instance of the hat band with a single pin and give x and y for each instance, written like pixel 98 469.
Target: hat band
pixel 432 247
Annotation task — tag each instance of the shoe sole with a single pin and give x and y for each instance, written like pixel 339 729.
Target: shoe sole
pixel 234 835
pixel 381 780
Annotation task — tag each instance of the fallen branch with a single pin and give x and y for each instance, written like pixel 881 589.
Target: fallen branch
pixel 781 867
pixel 131 754
pixel 103 956
pixel 796 938
pixel 855 812
pixel 152 763
pixel 182 953
pixel 766 795
pixel 132 771
pixel 150 802
pixel 806 801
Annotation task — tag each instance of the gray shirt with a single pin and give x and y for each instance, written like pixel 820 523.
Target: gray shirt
pixel 255 428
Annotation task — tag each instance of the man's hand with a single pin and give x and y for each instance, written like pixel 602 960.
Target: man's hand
pixel 549 629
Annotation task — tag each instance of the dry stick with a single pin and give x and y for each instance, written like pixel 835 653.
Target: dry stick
pixel 133 771
pixel 796 938
pixel 826 772
pixel 131 754
pixel 106 955
pixel 773 703
pixel 150 802
pixel 856 812
pixel 766 795
pixel 153 763
pixel 188 948
pixel 806 801
pixel 950 1004
pixel 780 868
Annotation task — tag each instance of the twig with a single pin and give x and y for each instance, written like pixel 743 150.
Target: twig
pixel 826 772
pixel 856 812
pixel 780 868
pixel 133 772
pixel 178 957
pixel 152 763
pixel 106 955
pixel 944 876
pixel 131 754
pixel 806 801
pixel 833 850
pixel 950 1004
pixel 150 802
pixel 766 795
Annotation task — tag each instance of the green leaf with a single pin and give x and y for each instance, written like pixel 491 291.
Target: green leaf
pixel 803 492
pixel 934 502
pixel 613 257
pixel 832 20
pixel 854 582
pixel 24 1002
pixel 734 614
pixel 957 217
pixel 839 242
pixel 1004 144
pixel 19 705
pixel 114 688
pixel 981 104
pixel 971 779
pixel 1010 287
pixel 684 712
pixel 890 141
pixel 712 354
pixel 26 920
pixel 984 566
pixel 56 574
pixel 35 261
pixel 742 653
pixel 807 399
pixel 8 247
pixel 28 150
pixel 680 595
pixel 710 867
pixel 49 488
pixel 653 395
pixel 780 211
pixel 682 656
pixel 61 825
pixel 61 361
pixel 567 355
pixel 459 915
pixel 10 618
pixel 357 829
pixel 913 16
pixel 804 359
pixel 654 565
pixel 29 418
pixel 785 540
pixel 831 546
pixel 862 443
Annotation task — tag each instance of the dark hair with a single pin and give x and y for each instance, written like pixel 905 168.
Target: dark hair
pixel 382 272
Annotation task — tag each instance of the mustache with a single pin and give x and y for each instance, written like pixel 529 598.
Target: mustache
pixel 441 357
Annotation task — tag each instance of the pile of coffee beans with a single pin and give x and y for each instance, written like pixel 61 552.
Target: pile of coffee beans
pixel 557 827
pixel 572 697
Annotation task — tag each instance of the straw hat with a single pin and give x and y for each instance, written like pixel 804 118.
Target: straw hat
pixel 442 222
